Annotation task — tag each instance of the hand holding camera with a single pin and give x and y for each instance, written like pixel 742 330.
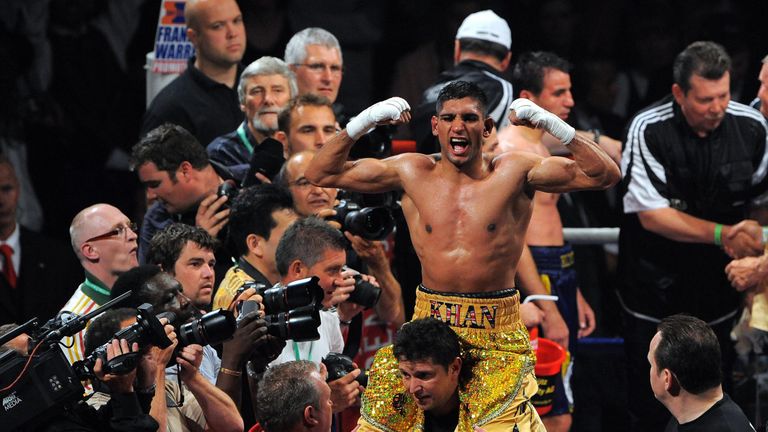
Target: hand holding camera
pixel 213 212
pixel 250 334
pixel 155 358
pixel 345 380
pixel 118 383
pixel 189 358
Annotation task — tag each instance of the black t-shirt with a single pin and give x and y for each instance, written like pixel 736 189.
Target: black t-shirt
pixel 724 416
pixel 444 423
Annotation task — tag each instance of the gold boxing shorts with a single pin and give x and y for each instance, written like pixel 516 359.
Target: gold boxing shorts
pixel 497 396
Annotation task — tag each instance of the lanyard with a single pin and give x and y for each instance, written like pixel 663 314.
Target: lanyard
pixel 244 138
pixel 95 287
pixel 296 350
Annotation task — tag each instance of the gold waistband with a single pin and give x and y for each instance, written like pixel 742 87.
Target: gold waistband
pixel 489 311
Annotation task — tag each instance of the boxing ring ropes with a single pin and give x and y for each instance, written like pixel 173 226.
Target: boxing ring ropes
pixel 600 236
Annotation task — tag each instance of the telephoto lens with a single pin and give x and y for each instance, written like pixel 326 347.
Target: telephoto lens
pixel 210 329
pixel 299 324
pixel 294 295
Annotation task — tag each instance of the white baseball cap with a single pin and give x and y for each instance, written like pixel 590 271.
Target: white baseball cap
pixel 486 25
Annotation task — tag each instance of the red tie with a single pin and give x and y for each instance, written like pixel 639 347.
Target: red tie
pixel 8 271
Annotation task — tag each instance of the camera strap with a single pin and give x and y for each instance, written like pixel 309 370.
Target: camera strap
pixel 354 336
pixel 244 138
pixel 298 354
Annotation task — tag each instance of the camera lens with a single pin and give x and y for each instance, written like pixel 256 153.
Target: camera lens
pixel 299 325
pixel 294 295
pixel 212 328
pixel 371 223
pixel 365 294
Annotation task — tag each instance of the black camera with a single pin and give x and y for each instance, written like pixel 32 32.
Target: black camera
pixel 375 144
pixel 365 294
pixel 371 223
pixel 338 365
pixel 228 188
pixel 210 329
pixel 292 311
pixel 146 331
pixel 267 159
pixel 281 298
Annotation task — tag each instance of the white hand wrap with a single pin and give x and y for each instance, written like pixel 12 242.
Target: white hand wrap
pixel 379 113
pixel 543 119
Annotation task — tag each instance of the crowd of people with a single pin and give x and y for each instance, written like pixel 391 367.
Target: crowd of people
pixel 284 217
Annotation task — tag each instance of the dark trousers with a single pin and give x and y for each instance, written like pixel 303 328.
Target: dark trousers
pixel 646 414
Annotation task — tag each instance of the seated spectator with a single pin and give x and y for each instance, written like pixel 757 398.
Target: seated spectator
pixel 294 397
pixel 686 377
pixel 266 86
pixel 104 240
pixel 306 124
pixel 181 184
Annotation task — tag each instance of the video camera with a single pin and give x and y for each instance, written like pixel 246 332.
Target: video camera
pixel 292 311
pixel 366 215
pixel 146 331
pixel 35 386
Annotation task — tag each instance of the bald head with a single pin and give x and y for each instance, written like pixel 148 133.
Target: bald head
pixel 307 198
pixel 92 221
pixel 104 242
pixel 192 12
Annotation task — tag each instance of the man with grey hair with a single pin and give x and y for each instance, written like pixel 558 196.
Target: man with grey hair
pixel 311 247
pixel 293 397
pixel 266 86
pixel 203 100
pixel 314 55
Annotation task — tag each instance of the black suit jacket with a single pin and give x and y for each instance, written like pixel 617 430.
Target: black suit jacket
pixel 48 275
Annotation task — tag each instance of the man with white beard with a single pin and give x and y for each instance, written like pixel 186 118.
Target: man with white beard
pixel 266 86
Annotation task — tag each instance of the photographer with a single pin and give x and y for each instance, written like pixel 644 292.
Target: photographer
pixel 193 400
pixel 181 185
pixel 259 217
pixel 310 247
pixel 153 360
pixel 308 200
pixel 130 394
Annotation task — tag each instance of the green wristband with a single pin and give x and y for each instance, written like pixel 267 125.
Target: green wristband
pixel 718 234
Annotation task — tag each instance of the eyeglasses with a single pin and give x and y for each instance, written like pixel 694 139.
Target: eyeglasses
pixel 119 231
pixel 319 68
pixel 301 183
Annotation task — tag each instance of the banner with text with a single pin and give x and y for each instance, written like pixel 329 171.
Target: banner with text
pixel 172 48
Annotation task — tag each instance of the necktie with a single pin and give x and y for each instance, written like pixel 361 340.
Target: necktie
pixel 8 271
